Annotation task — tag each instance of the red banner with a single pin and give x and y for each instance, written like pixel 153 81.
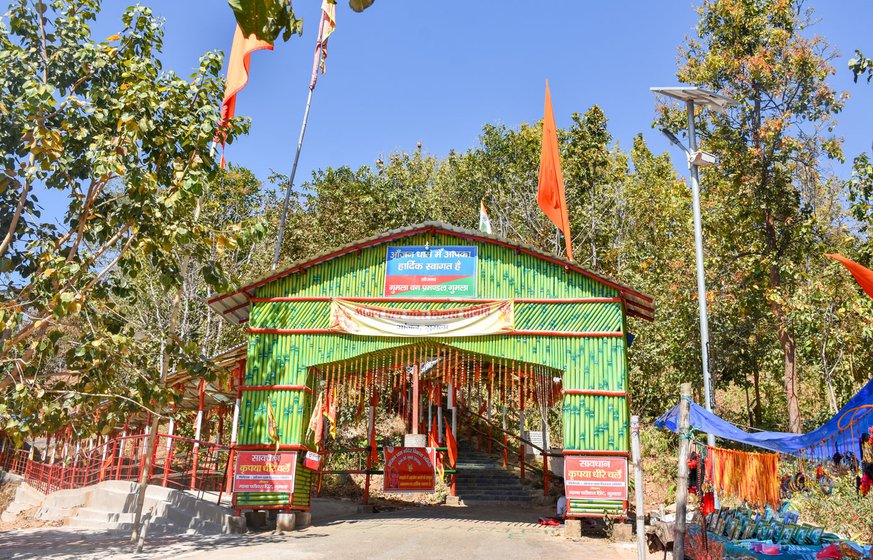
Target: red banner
pixel 264 471
pixel 595 478
pixel 409 469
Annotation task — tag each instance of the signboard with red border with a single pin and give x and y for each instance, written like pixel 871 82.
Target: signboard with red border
pixel 312 461
pixel 595 478
pixel 264 471
pixel 409 469
pixel 438 271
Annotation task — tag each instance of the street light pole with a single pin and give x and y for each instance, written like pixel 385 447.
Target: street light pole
pixel 690 95
pixel 709 398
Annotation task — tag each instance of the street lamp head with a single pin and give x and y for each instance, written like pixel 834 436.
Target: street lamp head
pixel 697 95
pixel 678 143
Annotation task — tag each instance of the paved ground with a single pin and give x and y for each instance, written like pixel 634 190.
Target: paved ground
pixel 441 532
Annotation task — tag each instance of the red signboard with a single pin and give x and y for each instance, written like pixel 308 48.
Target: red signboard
pixel 312 461
pixel 595 478
pixel 264 471
pixel 409 469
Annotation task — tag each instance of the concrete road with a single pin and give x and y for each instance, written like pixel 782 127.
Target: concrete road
pixel 436 532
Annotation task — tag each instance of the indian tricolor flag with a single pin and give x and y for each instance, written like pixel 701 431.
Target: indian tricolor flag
pixel 484 220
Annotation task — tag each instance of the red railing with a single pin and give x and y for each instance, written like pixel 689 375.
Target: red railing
pixel 177 462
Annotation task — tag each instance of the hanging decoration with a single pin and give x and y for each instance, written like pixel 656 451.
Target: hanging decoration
pixel 752 477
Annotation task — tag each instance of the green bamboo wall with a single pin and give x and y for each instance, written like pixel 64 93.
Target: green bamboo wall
pixel 598 363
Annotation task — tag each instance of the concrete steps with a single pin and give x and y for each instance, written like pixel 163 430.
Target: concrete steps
pixel 26 498
pixel 481 480
pixel 110 506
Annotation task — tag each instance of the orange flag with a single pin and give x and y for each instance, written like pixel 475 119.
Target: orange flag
pixel 434 442
pixel 863 275
pixel 550 193
pixel 237 77
pixel 452 446
pixel 330 411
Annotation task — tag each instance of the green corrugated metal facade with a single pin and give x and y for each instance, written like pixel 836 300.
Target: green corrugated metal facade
pixel 590 363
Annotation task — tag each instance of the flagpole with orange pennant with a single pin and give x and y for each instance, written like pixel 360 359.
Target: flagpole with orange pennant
pixel 326 26
pixel 550 189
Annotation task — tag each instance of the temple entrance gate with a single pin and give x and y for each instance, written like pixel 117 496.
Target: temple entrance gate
pixel 432 305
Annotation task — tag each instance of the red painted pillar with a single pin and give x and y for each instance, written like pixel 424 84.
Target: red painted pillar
pixel 240 379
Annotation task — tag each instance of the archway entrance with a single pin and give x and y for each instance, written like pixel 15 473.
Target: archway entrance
pixel 494 405
pixel 412 311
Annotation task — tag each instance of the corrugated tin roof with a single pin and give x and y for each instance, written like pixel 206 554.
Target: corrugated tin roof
pixel 234 305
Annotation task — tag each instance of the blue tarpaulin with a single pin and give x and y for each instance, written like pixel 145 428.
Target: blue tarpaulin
pixel 840 433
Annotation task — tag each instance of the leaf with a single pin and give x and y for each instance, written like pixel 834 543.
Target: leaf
pixel 360 5
pixel 266 19
pixel 113 37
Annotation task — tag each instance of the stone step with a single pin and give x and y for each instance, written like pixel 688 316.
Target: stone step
pixel 487 502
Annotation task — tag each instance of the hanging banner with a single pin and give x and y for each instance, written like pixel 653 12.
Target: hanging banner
pixel 263 471
pixel 476 320
pixel 425 271
pixel 595 478
pixel 409 469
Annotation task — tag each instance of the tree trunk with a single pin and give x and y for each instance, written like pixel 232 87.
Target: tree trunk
pixel 757 408
pixel 786 339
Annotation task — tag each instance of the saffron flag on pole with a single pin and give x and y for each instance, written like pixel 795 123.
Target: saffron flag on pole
pixel 237 77
pixel 327 26
pixel 452 446
pixel 484 220
pixel 863 275
pixel 550 192
pixel 330 411
pixel 316 420
pixel 434 441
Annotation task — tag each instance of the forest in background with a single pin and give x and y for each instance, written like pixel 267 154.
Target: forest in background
pixel 99 304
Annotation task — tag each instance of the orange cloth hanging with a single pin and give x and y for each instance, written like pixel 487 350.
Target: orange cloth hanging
pixel 753 477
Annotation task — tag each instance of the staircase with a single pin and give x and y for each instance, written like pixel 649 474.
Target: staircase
pixel 110 506
pixel 482 480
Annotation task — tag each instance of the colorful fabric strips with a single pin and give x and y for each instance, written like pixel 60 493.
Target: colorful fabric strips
pixel 752 477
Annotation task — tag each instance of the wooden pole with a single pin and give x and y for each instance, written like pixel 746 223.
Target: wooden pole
pixel 638 486
pixel 682 477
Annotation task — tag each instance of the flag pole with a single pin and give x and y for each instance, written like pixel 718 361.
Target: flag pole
pixel 299 144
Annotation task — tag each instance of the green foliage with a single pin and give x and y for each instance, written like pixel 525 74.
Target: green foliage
pixel 267 19
pixel 125 146
pixel 770 209
pixel 860 65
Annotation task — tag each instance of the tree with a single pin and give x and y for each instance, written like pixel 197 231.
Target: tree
pixel 772 147
pixel 124 146
pixel 267 19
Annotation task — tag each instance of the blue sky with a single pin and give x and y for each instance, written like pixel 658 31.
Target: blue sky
pixel 435 72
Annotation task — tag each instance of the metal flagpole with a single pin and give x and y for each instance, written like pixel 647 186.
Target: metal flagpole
pixel 299 143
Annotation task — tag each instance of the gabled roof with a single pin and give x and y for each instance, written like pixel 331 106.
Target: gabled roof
pixel 234 305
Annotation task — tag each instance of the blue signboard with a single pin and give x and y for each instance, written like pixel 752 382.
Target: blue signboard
pixel 425 271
